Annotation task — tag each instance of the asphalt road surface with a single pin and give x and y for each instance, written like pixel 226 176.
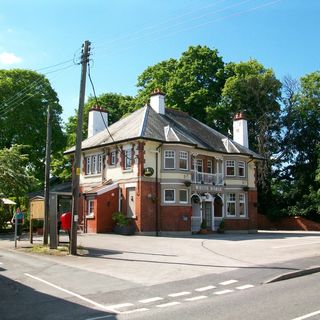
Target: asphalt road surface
pixel 41 287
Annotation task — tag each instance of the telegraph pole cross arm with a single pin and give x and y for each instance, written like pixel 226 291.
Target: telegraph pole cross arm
pixel 77 158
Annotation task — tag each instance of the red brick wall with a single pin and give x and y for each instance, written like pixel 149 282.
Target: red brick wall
pixel 106 205
pixel 246 224
pixel 172 218
pixel 288 223
pixel 146 207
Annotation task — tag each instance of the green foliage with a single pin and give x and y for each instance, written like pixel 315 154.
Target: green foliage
pixel 192 84
pixel 5 216
pixel 15 177
pixel 121 219
pixel 25 95
pixel 116 105
pixel 203 224
pixel 300 148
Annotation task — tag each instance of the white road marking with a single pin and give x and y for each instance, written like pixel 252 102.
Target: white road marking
pixel 151 300
pixel 170 304
pixel 179 294
pixel 121 305
pixel 205 288
pixel 225 283
pixel 134 310
pixel 223 292
pixel 295 245
pixel 196 298
pixel 102 317
pixel 98 305
pixel 309 315
pixel 246 286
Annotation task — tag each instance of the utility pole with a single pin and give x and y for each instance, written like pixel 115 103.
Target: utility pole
pixel 47 178
pixel 77 158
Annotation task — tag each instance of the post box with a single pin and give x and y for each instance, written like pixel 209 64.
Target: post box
pixel 66 221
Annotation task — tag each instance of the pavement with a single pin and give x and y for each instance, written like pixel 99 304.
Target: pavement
pixel 148 260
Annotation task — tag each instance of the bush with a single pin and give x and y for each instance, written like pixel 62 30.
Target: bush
pixel 120 219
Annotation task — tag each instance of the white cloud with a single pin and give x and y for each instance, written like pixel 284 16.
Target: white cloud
pixel 9 58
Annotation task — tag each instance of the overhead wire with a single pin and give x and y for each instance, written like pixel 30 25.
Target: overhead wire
pixel 24 95
pixel 103 120
pixel 160 31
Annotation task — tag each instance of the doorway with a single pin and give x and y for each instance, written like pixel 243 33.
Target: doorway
pixel 207 213
pixel 131 202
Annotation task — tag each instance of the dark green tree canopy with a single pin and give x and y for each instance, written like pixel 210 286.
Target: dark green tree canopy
pixel 15 178
pixel 24 97
pixel 192 83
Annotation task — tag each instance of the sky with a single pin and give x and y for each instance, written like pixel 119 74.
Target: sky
pixel 127 36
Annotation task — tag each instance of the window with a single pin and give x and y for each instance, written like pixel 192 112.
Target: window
pixel 113 158
pixel 210 166
pixel 169 159
pixel 128 159
pixel 231 204
pixel 169 196
pixel 183 160
pixel 100 159
pixel 90 212
pixel 183 196
pixel 88 165
pixel 241 169
pixel 242 205
pixel 230 167
pixel 94 164
pixel 199 165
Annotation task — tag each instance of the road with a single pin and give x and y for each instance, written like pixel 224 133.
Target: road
pixel 41 287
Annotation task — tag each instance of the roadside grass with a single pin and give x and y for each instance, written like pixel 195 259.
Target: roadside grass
pixel 60 251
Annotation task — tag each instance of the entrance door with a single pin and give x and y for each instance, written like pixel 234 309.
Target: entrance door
pixel 207 213
pixel 217 212
pixel 131 202
pixel 196 214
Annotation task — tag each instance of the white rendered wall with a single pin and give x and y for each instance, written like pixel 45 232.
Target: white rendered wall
pixel 157 103
pixel 240 132
pixel 95 122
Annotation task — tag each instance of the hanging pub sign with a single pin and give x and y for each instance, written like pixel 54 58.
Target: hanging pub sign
pixel 148 171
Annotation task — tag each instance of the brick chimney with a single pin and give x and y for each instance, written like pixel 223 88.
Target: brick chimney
pixel 240 129
pixel 97 120
pixel 157 101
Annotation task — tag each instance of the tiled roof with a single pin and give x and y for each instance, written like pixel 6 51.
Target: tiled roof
pixel 175 126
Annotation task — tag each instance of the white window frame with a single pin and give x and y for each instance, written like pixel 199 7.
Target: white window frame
pixel 88 165
pixel 127 159
pixel 100 163
pixel 174 196
pixel 242 200
pixel 183 156
pixel 199 163
pixel 186 191
pixel 169 154
pixel 90 205
pixel 231 201
pixel 241 165
pixel 113 158
pixel 210 166
pixel 231 164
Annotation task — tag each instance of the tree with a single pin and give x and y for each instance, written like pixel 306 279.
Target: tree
pixel 253 89
pixel 24 98
pixel 15 178
pixel 301 166
pixel 117 105
pixel 192 84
